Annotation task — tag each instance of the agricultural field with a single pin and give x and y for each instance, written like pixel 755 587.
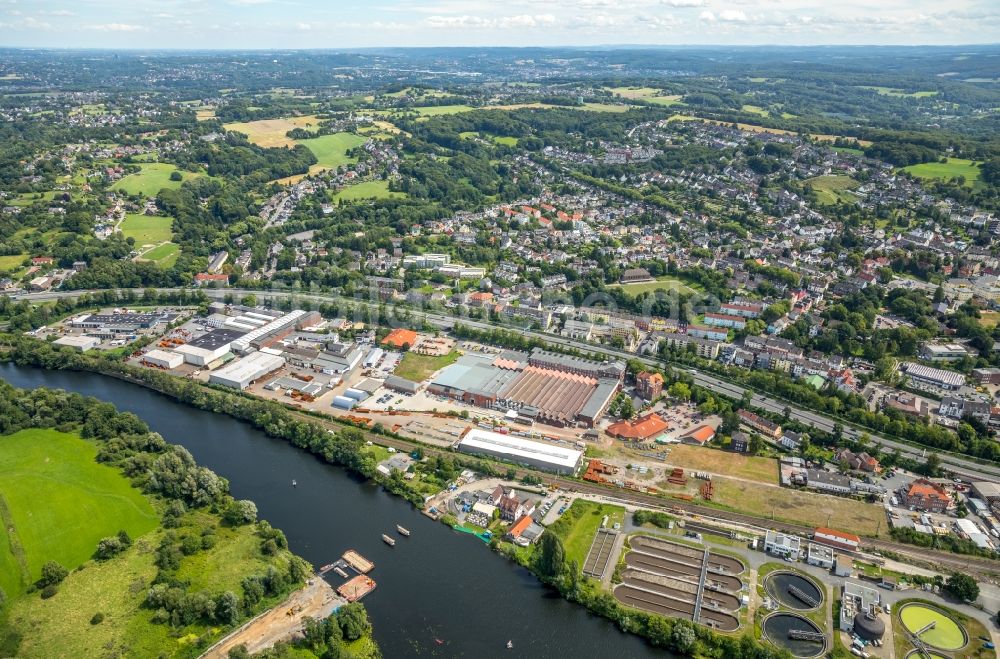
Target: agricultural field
pixel 271 132
pixel 833 189
pixel 660 284
pixel 367 190
pixel 798 506
pixel 331 150
pixel 577 526
pixel 756 109
pixel 59 469
pixel 648 94
pixel 153 178
pixel 952 168
pixel 419 367
pixel 698 458
pixel 165 255
pixel 437 110
pixel 147 229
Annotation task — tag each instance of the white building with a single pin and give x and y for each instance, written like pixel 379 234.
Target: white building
pixel 522 451
pixel 819 556
pixel 81 343
pixel 779 544
pixel 241 373
pixel 163 358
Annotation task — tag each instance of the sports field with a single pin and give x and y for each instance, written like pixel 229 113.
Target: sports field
pixel 952 168
pixel 165 255
pixel 153 178
pixel 60 503
pixel 367 190
pixel 660 284
pixel 271 132
pixel 147 229
pixel 331 150
pixel 833 188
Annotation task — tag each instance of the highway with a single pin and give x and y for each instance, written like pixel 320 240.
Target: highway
pixel 961 466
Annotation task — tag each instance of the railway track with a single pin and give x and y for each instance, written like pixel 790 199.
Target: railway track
pixel 934 559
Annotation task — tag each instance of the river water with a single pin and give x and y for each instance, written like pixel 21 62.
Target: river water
pixel 436 584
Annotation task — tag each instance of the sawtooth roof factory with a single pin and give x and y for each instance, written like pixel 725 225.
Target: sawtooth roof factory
pixel 544 386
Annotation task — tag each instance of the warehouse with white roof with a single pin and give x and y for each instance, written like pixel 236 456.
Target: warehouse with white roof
pixel 241 373
pixel 550 457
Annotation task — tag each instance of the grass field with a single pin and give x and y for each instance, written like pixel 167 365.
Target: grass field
pixel 648 94
pixel 764 470
pixel 577 526
pixel 892 91
pixel 12 261
pixel 497 139
pixel 661 283
pixel 51 482
pixel 419 367
pixel 756 109
pixel 153 178
pixel 989 319
pixel 797 506
pixel 833 189
pixel 271 132
pixel 147 229
pixel 367 190
pixel 331 150
pixel 165 255
pixel 953 168
pixel 437 110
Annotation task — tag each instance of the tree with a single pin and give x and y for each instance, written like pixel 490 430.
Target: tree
pixel 240 512
pixel 551 555
pixel 249 300
pixel 227 608
pixel 680 391
pixel 683 637
pixel 756 444
pixel 932 466
pixel 963 587
pixel 52 573
pixel 176 176
pixel 353 621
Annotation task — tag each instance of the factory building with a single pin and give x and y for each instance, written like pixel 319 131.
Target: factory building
pixel 549 457
pixel 113 325
pixel 275 330
pixel 163 359
pixel 208 347
pixel 242 373
pixel 80 343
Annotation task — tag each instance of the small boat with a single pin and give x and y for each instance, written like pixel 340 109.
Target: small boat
pixel 510 645
pixel 439 641
pixel 342 573
pixel 403 531
pixel 294 483
pixel 389 541
pixel 326 568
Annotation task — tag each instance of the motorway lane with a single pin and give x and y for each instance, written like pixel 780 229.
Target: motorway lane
pixel 961 466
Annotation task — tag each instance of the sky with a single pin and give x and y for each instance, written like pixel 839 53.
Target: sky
pixel 342 24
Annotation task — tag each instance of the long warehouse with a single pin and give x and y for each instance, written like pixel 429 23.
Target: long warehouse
pixel 242 373
pixel 521 451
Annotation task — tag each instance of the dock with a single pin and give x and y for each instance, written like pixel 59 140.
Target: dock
pixel 356 588
pixel 358 563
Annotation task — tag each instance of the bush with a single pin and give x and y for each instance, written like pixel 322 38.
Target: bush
pixel 97 619
pixel 52 573
pixel 49 591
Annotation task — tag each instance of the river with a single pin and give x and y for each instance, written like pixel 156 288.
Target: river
pixel 436 584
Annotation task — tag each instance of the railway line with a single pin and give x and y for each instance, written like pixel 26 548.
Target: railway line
pixel 935 559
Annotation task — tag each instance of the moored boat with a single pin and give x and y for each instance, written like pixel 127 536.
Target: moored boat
pixel 403 531
pixel 389 541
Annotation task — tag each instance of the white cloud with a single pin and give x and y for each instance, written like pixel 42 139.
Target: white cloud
pixel 116 27
pixel 732 15
pixel 706 16
pixel 58 12
pixel 686 3
pixel 303 27
pixel 466 22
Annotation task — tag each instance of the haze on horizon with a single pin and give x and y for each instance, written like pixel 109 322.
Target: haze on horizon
pixel 219 24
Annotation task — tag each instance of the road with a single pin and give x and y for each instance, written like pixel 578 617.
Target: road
pixel 957 464
pixel 316 599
